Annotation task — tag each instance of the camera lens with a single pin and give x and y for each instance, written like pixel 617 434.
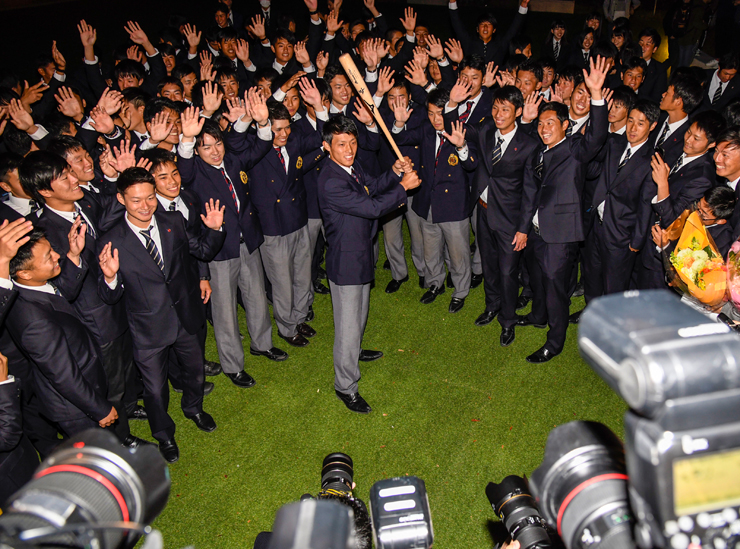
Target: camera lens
pixel 337 472
pixel 582 486
pixel 90 479
pixel 512 502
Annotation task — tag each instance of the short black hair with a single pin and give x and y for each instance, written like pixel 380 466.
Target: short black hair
pixel 279 112
pixel 548 63
pixel 227 33
pixel 509 94
pixel 285 34
pixel 711 123
pixel 129 67
pixel 9 162
pixel 570 72
pixel 57 124
pixel 721 200
pixel 211 128
pixel 581 36
pixel 649 108
pixel 624 95
pixel 688 89
pixel 729 61
pixel 182 70
pixel 169 80
pixel 332 71
pixel 487 17
pixel 635 63
pixel 133 176
pixel 37 172
pixel 472 61
pixel 43 60
pixel 156 106
pixel 402 83
pixel 338 124
pixel 166 49
pixel 17 141
pixel 63 145
pixel 651 33
pixel 23 256
pixel 171 36
pixel 557 24
pixel 438 97
pixel 136 97
pixel 159 157
pixel 560 110
pixel 604 49
pixel 513 61
pixel 269 74
pixel 730 136
pixel 530 65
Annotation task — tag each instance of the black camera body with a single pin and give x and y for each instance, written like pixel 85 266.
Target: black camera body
pixel 679 373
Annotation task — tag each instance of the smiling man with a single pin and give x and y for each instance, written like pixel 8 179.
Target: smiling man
pixel 727 163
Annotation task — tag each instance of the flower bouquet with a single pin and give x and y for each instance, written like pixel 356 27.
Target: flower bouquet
pixel 694 267
pixel 733 274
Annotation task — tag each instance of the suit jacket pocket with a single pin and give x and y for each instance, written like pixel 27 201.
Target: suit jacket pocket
pixel 566 208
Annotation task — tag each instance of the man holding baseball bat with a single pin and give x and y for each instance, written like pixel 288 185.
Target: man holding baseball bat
pixel 351 203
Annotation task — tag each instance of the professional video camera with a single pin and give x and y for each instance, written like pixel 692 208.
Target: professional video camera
pixel 335 519
pixel 90 492
pixel 679 374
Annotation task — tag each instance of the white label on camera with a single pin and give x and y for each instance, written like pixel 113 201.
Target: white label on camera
pixel 703 330
pixel 399 505
pixel 397 491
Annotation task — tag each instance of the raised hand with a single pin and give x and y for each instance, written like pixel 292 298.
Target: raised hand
pixel 20 117
pixel 60 63
pixel 160 127
pixel 454 50
pixel 607 93
pixel 369 55
pixel 88 35
pixel 212 96
pixel 460 91
pixel 382 47
pixel 435 47
pixel 31 94
pixel 257 27
pixel 214 217
pixel 12 237
pixel 505 78
pixel 421 56
pixel 370 5
pixel 312 5
pixel 76 237
pixel 110 101
pixel 409 20
pixel 192 122
pixel 558 94
pixel 68 103
pixel 292 81
pixel 134 53
pixel 531 108
pixel 193 36
pixel 661 171
pixel 457 137
pixel 101 121
pixel 144 163
pixel 322 61
pixel 137 35
pixel 333 24
pixel 362 113
pixel 385 81
pixel 301 53
pixel 104 162
pixel 207 74
pixel 108 261
pixel 242 51
pixel 489 79
pixel 258 107
pixel 123 158
pixel 310 94
pixel 237 109
pixel 401 114
pixel 594 79
pixel 415 74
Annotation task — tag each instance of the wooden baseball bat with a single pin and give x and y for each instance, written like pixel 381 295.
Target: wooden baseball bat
pixel 359 84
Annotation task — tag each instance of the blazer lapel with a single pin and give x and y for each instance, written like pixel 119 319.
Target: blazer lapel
pixel 134 246
pixel 168 241
pixel 489 137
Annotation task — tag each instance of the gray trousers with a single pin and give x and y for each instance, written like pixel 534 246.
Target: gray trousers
pixel 287 261
pixel 244 272
pixel 314 227
pixel 350 305
pixel 394 249
pixel 476 266
pixel 455 235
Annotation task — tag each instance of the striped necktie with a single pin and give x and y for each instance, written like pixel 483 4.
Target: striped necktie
pixel 663 136
pixel 539 167
pixel 172 207
pixel 625 159
pixel 464 116
pixel 281 157
pixel 556 51
pixel 231 188
pixel 439 150
pixel 151 247
pixel 717 94
pixel 497 153
pixel 56 290
pixel 569 129
pixel 90 231
pixel 676 166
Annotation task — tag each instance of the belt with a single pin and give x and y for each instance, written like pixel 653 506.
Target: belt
pixel 482 203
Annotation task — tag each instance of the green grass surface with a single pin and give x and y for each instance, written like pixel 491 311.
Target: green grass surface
pixel 449 405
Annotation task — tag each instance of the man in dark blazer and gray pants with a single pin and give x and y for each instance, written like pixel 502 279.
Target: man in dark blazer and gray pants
pixel 351 203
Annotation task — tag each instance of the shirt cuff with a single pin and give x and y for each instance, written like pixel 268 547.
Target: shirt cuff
pixel 93 62
pixel 449 109
pixel 10 379
pixel 452 5
pixel 656 201
pixel 444 62
pixel 60 77
pixel 156 52
pixel 523 11
pixel 307 70
pixel 147 68
pixel 264 133
pixel 146 145
pixel 411 38
pixel 598 102
pixel 328 37
pixel 323 116
pixel 6 283
pixel 371 76
pixel 462 154
pixel 279 95
pixel 317 22
pixel 113 285
pixel 185 148
pixel 40 133
pixel 192 56
pixel 250 68
pixel 373 128
pixel 111 179
pixel 377 100
pixel 396 129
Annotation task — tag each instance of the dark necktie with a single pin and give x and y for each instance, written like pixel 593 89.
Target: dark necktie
pixel 34 206
pixel 56 290
pixel 625 159
pixel 540 166
pixel 585 57
pixel 676 166
pixel 281 157
pixel 439 150
pixel 356 176
pixel 90 231
pixel 717 94
pixel 464 116
pixel 497 153
pixel 569 129
pixel 663 136
pixel 151 247
pixel 556 51
pixel 173 207
pixel 231 188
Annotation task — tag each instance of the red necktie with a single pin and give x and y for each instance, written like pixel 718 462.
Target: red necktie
pixel 231 188
pixel 464 116
pixel 280 156
pixel 439 150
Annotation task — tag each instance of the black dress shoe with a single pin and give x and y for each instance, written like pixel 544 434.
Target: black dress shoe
pixel 456 303
pixel 369 356
pixel 432 294
pixel 138 413
pixel 394 285
pixel 540 356
pixel 422 282
pixel 241 379
pixel 310 316
pixel 575 318
pixel 387 265
pixel 448 282
pixel 475 280
pixel 305 330
pixel 319 288
pixel 522 302
pixel 507 336
pixel 135 442
pixel 204 422
pixel 485 318
pixel 321 273
pixel 296 341
pixel 212 368
pixel 278 355
pixel 578 292
pixel 207 388
pixel 169 450
pixel 354 402
pixel 525 321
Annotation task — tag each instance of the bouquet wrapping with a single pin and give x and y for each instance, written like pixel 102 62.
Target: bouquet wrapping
pixel 733 274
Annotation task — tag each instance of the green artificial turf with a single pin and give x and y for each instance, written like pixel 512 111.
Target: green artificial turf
pixel 449 405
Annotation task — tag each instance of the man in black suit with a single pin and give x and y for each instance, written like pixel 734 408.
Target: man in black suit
pixel 503 182
pixel 622 204
pixel 722 86
pixel 351 203
pixel 679 186
pixel 681 98
pixel 556 214
pixel 18 204
pixel 157 277
pixel 655 81
pixel 727 163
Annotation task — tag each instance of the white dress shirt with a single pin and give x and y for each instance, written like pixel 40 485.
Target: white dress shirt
pixel 20 205
pixel 507 139
pixel 71 216
pixel 180 206
pixel 714 84
pixel 632 150
pixel 671 127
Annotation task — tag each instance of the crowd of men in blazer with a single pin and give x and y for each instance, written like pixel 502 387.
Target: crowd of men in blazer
pixel 144 203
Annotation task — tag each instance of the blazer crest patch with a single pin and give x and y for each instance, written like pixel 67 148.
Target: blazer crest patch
pixel 299 163
pixel 243 176
pixel 453 160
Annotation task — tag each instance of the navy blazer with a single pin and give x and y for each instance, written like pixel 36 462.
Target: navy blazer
pixel 498 47
pixel 311 168
pixel 68 374
pixel 387 156
pixel 560 189
pixel 368 143
pixel 351 211
pixel 731 91
pixel 510 182
pixel 655 82
pixel 18 458
pixel 673 145
pixel 280 197
pixel 207 182
pixel 7 213
pixel 734 221
pixel 686 186
pixel 627 195
pixel 157 302
pixel 446 189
